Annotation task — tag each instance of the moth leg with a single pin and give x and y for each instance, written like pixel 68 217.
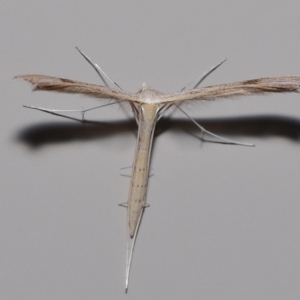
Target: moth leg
pixel 57 112
pixel 203 76
pixel 99 71
pixel 203 130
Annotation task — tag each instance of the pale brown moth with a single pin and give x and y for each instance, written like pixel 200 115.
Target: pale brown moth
pixel 148 105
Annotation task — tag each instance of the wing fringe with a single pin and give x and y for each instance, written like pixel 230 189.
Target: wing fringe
pixel 62 85
pixel 283 84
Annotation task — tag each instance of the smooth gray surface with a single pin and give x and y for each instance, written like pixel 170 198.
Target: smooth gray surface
pixel 224 221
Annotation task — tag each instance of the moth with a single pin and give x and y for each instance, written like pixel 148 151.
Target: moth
pixel 148 106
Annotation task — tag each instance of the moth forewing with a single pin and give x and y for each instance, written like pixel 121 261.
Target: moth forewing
pixel 281 84
pixel 63 85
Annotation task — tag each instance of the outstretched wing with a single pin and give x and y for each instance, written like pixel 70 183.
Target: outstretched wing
pixel 48 83
pixel 282 84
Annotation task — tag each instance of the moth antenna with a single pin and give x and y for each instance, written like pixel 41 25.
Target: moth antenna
pixel 99 71
pixel 212 134
pixel 203 76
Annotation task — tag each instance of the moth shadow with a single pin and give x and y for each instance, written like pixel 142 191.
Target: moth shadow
pixel 258 126
pixel 61 132
pixel 38 135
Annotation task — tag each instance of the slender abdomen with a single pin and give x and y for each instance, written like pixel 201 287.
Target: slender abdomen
pixel 139 181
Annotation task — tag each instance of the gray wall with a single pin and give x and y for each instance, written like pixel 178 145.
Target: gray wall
pixel 224 221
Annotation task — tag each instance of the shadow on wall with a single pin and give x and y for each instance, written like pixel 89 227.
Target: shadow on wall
pixel 61 132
